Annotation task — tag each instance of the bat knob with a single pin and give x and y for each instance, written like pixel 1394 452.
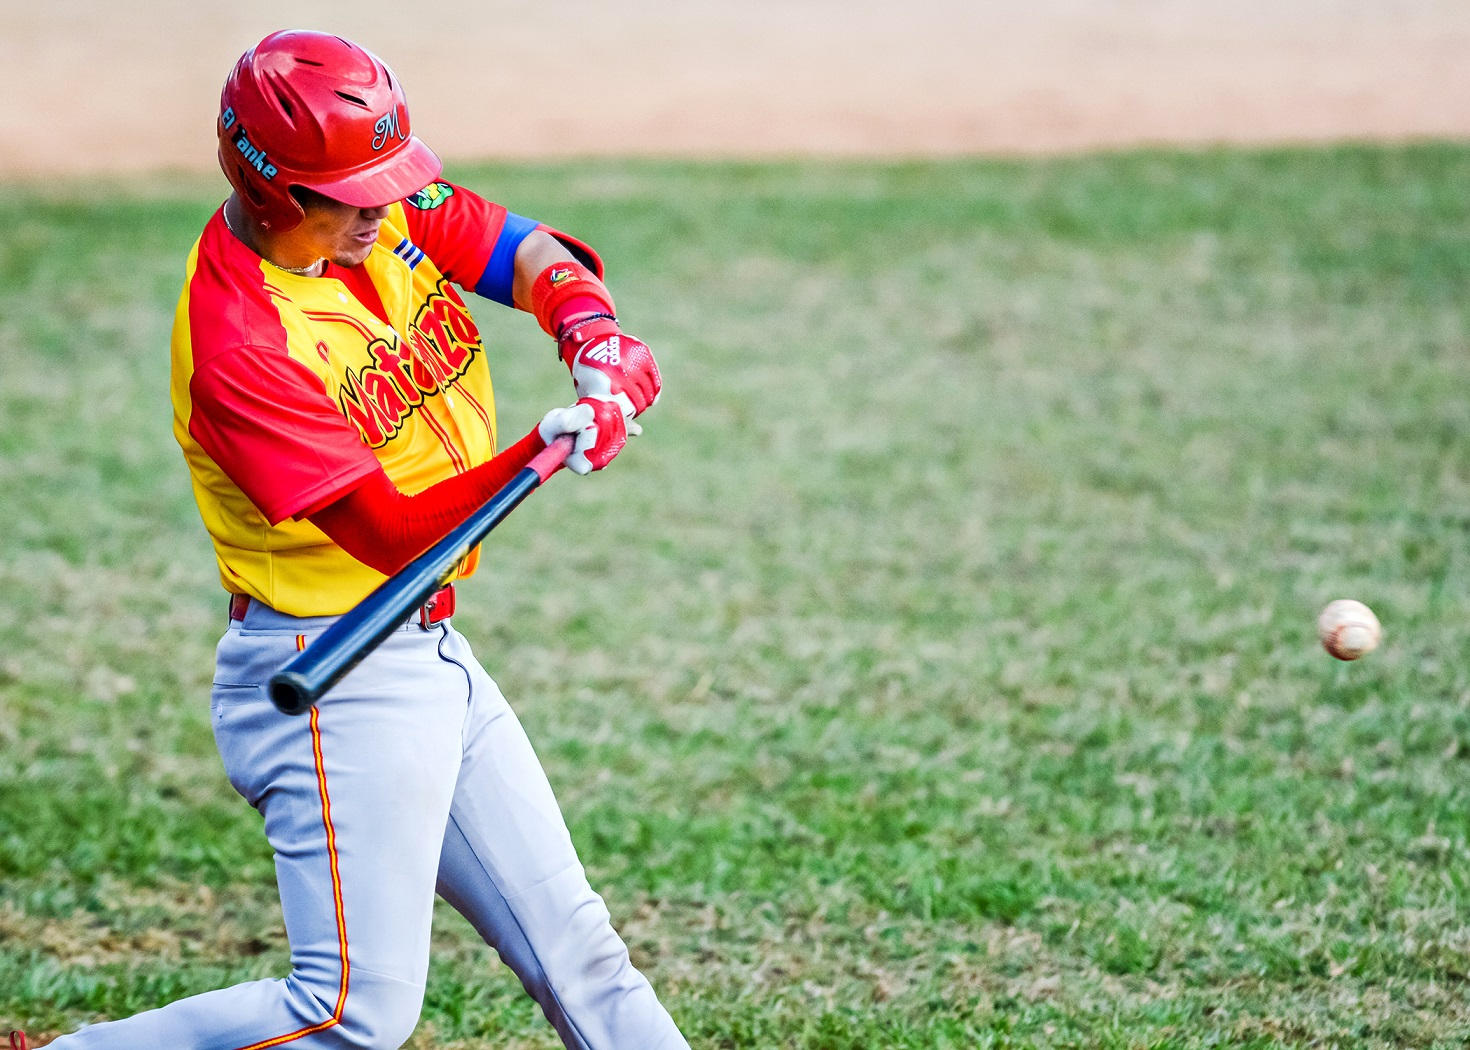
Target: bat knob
pixel 291 693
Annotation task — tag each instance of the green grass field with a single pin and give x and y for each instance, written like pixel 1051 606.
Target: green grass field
pixel 939 670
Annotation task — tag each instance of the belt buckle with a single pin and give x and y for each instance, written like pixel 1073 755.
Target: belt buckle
pixel 438 608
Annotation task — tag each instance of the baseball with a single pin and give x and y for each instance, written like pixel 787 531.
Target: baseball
pixel 1349 629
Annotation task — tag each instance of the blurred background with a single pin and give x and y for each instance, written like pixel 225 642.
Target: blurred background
pixel 98 87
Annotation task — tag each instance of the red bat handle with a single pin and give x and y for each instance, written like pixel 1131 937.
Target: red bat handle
pixel 553 457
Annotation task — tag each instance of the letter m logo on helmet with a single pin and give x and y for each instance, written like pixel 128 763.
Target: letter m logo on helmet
pixel 316 111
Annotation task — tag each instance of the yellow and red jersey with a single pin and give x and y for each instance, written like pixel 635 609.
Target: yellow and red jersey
pixel 289 391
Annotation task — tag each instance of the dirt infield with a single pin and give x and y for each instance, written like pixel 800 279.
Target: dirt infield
pixel 101 87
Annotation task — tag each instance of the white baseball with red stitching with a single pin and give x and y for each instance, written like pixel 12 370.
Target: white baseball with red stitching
pixel 1349 629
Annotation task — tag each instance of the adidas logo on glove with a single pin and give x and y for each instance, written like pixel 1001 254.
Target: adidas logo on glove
pixel 607 353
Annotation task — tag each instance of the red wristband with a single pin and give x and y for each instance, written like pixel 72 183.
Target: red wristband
pixel 565 290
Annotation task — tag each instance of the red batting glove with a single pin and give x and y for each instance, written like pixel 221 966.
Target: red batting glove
pixel 600 429
pixel 606 363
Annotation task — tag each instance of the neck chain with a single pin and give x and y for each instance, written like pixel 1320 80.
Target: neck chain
pixel 300 271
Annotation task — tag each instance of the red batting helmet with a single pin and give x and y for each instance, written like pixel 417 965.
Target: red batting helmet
pixel 314 110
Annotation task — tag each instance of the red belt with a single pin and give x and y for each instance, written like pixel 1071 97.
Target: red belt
pixel 438 608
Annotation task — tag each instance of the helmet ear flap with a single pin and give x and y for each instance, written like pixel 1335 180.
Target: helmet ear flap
pixel 273 214
pixel 251 193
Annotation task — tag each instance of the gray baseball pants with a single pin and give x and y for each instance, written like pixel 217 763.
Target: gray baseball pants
pixel 413 775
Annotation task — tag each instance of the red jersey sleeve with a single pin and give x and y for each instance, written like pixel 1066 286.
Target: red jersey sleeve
pixel 266 421
pixel 457 228
pixel 473 242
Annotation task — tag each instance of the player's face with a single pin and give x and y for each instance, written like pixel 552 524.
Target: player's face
pixel 337 231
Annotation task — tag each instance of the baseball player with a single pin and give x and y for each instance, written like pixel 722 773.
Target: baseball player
pixel 333 403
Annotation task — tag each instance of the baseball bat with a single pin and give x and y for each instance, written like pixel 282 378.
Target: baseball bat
pixel 357 632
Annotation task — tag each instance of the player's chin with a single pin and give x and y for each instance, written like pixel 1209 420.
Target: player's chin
pixel 353 254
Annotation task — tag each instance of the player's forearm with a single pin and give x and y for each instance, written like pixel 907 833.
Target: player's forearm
pixel 555 287
pixel 574 307
pixel 385 529
pixel 539 251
